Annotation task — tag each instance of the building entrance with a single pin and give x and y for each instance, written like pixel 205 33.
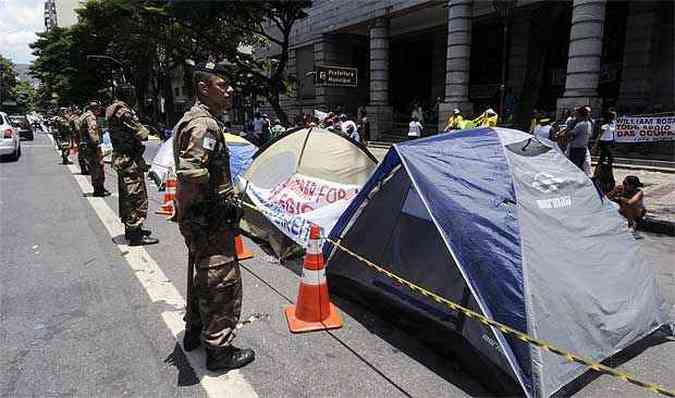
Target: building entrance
pixel 410 75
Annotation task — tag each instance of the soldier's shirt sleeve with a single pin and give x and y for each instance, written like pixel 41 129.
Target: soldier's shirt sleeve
pixel 194 155
pixel 93 130
pixel 131 121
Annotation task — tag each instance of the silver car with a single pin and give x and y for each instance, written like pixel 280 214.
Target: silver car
pixel 10 142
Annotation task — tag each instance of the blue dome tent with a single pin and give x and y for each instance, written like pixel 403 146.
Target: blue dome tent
pixel 504 224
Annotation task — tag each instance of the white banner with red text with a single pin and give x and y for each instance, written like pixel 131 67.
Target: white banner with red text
pixel 300 201
pixel 634 129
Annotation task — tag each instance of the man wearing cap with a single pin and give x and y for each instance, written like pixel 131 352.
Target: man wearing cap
pixel 127 135
pixel 90 138
pixel 208 215
pixel 63 134
pixel 74 123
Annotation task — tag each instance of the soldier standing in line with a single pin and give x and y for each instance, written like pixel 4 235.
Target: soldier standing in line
pixel 74 120
pixel 208 214
pixel 90 138
pixel 63 134
pixel 127 135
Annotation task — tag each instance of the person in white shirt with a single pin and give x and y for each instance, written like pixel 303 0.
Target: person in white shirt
pixel 415 128
pixel 606 139
pixel 349 128
pixel 543 128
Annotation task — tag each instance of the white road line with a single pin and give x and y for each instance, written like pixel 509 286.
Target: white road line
pixel 161 290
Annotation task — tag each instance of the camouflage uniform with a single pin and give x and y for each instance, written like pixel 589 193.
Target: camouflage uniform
pixel 203 173
pixel 90 138
pixel 126 135
pixel 77 137
pixel 63 136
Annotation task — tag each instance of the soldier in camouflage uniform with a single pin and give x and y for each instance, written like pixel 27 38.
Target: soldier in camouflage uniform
pixel 90 139
pixel 127 135
pixel 74 120
pixel 63 134
pixel 208 215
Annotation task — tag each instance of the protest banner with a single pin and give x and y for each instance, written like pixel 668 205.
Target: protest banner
pixel 299 201
pixel 634 129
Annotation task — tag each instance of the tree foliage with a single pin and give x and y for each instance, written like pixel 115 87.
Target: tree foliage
pixel 61 66
pixel 151 38
pixel 224 28
pixel 7 78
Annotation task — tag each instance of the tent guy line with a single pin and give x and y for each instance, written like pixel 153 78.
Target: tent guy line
pixel 569 356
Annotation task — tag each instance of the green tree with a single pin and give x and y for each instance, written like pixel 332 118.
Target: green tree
pixel 62 68
pixel 26 96
pixel 150 45
pixel 7 79
pixel 223 28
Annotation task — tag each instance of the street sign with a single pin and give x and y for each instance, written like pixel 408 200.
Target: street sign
pixel 337 76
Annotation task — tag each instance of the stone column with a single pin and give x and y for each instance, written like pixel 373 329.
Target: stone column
pixel 636 75
pixel 458 57
pixel 585 51
pixel 380 113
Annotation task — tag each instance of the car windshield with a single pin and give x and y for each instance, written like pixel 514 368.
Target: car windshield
pixel 19 121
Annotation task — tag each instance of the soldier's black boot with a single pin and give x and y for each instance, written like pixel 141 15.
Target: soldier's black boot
pixel 191 340
pixel 136 238
pixel 229 358
pixel 100 192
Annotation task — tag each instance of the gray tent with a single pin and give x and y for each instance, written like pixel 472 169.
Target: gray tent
pixel 508 226
pixel 308 154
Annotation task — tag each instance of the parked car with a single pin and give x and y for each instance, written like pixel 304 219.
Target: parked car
pixel 23 125
pixel 10 143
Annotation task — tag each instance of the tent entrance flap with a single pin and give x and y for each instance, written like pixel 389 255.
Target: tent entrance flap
pixel 409 245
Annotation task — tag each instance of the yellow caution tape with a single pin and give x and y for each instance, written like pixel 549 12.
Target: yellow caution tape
pixel 570 357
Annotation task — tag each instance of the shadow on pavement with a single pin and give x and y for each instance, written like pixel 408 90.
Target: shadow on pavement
pixel 657 338
pixel 186 375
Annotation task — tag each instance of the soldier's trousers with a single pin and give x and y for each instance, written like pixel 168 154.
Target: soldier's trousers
pixel 81 161
pixel 94 163
pixel 214 306
pixel 133 199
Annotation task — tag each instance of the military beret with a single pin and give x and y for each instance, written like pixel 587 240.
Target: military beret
pixel 221 69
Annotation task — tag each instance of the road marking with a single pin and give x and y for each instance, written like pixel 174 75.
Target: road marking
pixel 161 290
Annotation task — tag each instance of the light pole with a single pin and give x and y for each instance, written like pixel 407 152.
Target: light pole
pixel 505 9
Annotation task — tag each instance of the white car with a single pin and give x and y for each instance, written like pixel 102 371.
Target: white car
pixel 10 142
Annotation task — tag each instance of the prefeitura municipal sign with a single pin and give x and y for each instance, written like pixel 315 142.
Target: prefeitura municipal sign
pixel 337 76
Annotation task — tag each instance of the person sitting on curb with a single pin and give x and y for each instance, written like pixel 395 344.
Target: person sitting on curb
pixel 630 199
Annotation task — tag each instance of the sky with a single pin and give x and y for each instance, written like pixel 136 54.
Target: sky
pixel 19 21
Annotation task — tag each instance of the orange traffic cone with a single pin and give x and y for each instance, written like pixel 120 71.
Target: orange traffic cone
pixel 167 208
pixel 242 252
pixel 313 309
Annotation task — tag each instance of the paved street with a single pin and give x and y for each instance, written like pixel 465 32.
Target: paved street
pixel 82 314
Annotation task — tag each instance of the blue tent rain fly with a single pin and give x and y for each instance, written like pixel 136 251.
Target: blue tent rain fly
pixel 505 224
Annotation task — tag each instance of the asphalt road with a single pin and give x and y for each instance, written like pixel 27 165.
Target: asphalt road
pixel 81 314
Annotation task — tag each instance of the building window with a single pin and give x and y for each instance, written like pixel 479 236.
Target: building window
pixel 176 91
pixel 304 63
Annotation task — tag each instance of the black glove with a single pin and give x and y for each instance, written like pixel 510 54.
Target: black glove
pixel 230 210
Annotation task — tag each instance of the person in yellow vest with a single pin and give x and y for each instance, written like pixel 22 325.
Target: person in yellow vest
pixel 487 119
pixel 455 121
